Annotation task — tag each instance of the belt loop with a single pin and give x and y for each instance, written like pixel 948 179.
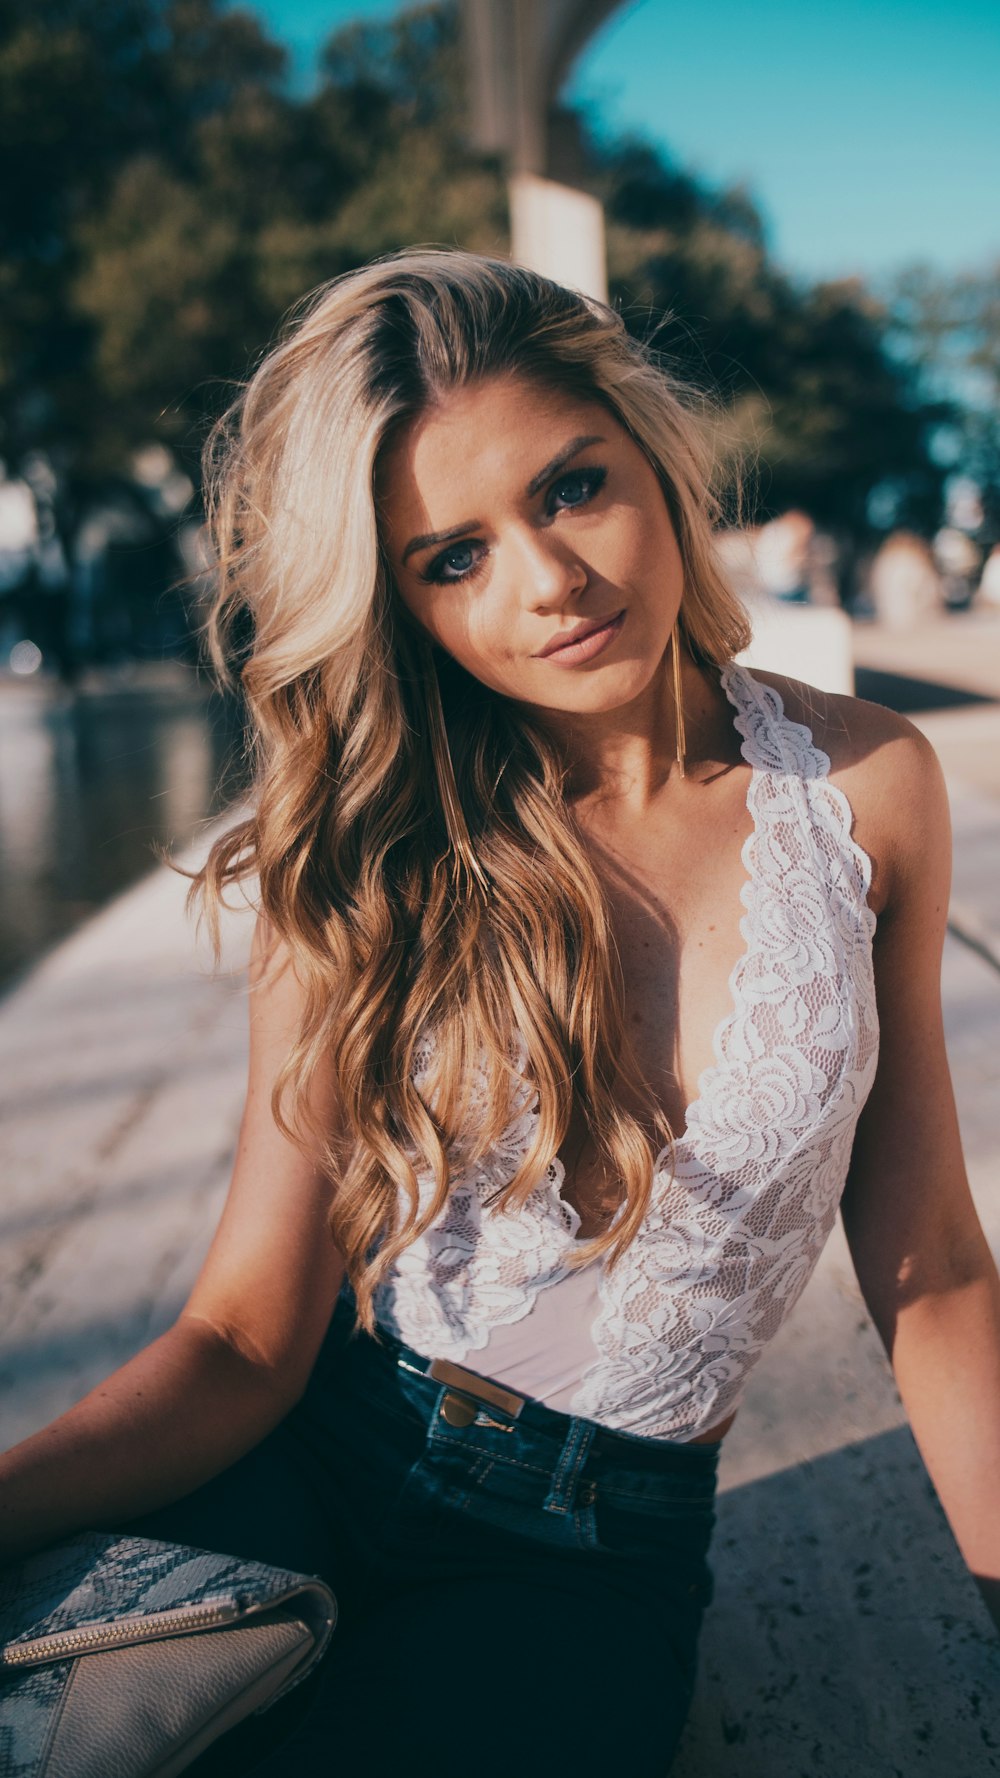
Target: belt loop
pixel 572 1458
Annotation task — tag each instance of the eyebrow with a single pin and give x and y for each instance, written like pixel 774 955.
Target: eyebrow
pixel 536 483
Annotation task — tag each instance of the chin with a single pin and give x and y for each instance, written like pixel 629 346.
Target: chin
pixel 597 694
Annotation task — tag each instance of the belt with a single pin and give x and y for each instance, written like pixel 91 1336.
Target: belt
pixel 466 1394
pixel 466 1391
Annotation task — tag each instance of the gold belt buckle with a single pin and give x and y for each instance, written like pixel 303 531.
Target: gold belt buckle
pixel 457 1409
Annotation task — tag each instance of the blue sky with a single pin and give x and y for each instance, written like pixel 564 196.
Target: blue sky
pixel 868 131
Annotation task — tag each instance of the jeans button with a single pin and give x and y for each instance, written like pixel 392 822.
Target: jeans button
pixel 588 1493
pixel 457 1410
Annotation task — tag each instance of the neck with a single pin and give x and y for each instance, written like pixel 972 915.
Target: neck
pixel 626 756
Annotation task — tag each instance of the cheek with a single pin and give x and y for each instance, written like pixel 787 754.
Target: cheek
pixel 487 650
pixel 469 641
pixel 651 546
pixel 474 632
pixel 493 634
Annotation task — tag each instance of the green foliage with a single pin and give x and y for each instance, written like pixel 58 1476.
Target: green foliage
pixel 812 392
pixel 949 327
pixel 168 198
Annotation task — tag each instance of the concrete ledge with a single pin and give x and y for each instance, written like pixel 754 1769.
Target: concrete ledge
pixel 809 642
pixel 974 914
pixel 122 1073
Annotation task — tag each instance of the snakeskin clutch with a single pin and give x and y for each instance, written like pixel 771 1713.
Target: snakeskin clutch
pixel 125 1658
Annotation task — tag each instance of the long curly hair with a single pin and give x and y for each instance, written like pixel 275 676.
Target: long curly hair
pixel 409 834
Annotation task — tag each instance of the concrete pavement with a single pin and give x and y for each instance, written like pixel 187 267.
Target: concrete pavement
pixel 846 1637
pixel 122 1070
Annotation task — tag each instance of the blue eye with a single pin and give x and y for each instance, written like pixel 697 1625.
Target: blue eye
pixel 462 566
pixel 460 561
pixel 587 482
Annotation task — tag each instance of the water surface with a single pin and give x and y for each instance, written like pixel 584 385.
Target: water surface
pixel 90 780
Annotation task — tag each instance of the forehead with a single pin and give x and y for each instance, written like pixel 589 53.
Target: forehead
pixel 489 435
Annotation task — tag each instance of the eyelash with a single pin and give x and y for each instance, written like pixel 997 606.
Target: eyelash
pixel 592 479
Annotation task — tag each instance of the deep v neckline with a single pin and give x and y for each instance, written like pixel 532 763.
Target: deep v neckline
pixel 741 1205
pixel 711 1073
pixel 734 985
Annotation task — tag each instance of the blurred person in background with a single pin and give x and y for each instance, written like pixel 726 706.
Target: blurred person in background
pixel 18 558
pixel 903 582
pixel 989 581
pixel 959 558
pixel 782 553
pixel 540 1144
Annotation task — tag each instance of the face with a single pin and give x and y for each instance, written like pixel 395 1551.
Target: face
pixel 529 536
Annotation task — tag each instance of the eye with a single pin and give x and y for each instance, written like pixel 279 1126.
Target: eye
pixel 460 561
pixel 577 488
pixel 457 562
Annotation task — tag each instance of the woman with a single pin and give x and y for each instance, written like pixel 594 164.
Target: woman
pixel 542 1139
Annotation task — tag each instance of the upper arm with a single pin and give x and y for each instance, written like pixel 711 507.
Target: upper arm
pixel 908 1212
pixel 272 1274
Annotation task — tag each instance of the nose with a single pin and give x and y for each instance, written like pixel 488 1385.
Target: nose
pixel 549 572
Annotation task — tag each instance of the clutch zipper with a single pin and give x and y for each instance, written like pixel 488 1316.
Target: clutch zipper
pixel 125 1630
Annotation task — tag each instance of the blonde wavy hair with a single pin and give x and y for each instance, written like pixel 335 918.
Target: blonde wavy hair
pixel 409 832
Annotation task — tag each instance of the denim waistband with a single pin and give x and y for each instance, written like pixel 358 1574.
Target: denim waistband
pixel 386 1354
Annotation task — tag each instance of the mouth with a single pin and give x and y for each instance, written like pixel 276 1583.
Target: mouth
pixel 583 641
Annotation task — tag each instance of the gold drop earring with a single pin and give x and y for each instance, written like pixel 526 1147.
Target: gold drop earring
pixel 681 738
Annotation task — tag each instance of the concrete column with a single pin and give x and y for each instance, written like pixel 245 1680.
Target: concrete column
pixel 559 232
pixel 518 54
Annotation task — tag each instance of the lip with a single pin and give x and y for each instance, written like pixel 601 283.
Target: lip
pixel 583 642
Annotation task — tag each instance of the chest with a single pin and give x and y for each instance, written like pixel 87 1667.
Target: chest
pixel 674 891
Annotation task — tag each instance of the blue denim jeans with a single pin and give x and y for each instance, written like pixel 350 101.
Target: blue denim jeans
pixel 513 1592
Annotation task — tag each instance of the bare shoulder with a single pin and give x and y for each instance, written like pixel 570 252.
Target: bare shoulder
pixel 888 771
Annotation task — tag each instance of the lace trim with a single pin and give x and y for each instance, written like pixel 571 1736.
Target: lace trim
pixel 701 1381
pixel 761 720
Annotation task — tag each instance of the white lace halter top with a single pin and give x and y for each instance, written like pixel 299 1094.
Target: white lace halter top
pixel 662 1345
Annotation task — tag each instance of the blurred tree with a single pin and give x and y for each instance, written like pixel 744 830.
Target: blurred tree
pixel 207 203
pixel 949 327
pixel 85 87
pixel 812 392
pixel 169 197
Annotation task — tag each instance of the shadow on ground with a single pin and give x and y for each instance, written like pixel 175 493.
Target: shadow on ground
pixel 900 691
pixel 845 1641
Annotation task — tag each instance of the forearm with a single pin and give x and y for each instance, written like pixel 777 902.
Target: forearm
pixel 946 1358
pixel 179 1412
